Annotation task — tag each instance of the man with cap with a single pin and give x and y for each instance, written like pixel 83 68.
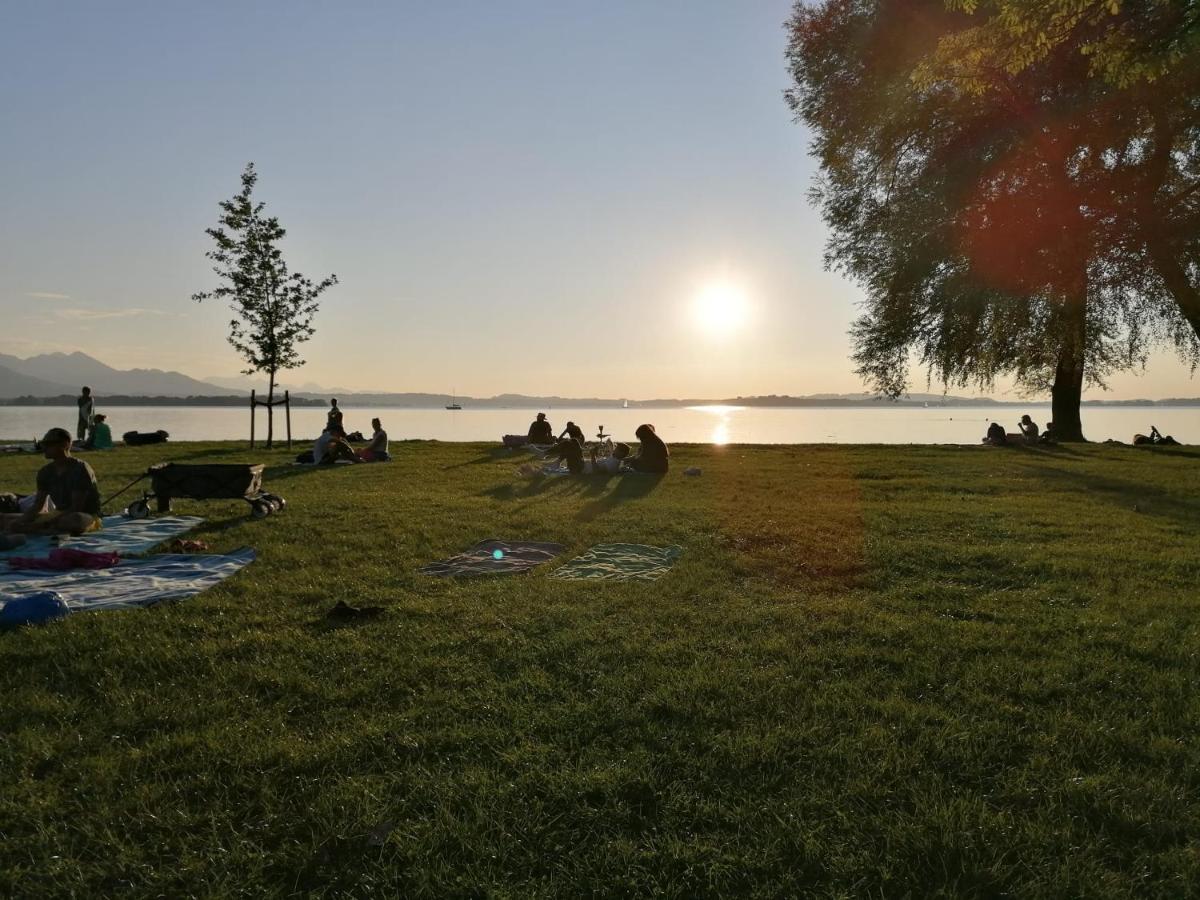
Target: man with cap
pixel 540 431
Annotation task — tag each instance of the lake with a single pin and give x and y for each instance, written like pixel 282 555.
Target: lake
pixel 702 424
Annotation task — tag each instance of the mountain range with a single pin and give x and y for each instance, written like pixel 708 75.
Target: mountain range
pixel 55 374
pixel 52 378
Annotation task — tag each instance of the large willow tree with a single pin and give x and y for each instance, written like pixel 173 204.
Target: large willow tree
pixel 983 206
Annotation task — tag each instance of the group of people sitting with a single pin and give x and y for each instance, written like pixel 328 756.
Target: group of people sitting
pixel 571 448
pixel 1027 433
pixel 67 500
pixel 334 445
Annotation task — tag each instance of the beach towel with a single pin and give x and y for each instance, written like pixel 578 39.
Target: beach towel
pixel 127 537
pixel 620 562
pixel 495 558
pixel 135 582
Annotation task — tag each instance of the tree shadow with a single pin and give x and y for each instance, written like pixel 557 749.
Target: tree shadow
pixel 1128 496
pixel 544 484
pixel 629 487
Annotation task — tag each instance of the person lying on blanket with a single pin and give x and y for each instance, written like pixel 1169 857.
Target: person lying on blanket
pixel 69 483
pixel 609 465
pixel 377 450
pixel 568 450
pixel 332 446
pixel 653 456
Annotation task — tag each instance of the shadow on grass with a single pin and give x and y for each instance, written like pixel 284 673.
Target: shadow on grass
pixel 497 454
pixel 533 487
pixel 629 487
pixel 1127 496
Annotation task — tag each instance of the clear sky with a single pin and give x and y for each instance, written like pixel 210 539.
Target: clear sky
pixel 522 196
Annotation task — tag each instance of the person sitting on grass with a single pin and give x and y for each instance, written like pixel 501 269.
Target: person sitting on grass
pixel 100 435
pixel 569 451
pixel 995 435
pixel 332 446
pixel 377 450
pixel 653 456
pixel 540 431
pixel 574 432
pixel 68 483
pixel 1029 430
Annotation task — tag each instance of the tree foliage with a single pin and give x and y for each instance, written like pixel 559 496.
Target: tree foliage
pixel 273 306
pixel 982 203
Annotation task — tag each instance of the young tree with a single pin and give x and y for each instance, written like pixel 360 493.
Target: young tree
pixel 981 220
pixel 273 307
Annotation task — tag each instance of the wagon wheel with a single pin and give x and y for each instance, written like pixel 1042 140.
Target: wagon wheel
pixel 260 509
pixel 277 502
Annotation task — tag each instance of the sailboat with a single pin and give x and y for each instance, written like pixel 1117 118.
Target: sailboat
pixel 625 405
pixel 453 404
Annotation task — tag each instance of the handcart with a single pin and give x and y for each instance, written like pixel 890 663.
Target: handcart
pixel 203 482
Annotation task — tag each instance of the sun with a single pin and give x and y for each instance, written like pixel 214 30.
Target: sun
pixel 720 308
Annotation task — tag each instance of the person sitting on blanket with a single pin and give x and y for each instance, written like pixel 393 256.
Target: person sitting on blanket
pixel 66 481
pixel 574 432
pixel 653 455
pixel 540 431
pixel 100 435
pixel 571 452
pixel 377 450
pixel 332 446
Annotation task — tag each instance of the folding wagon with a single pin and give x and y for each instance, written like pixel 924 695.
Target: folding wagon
pixel 203 482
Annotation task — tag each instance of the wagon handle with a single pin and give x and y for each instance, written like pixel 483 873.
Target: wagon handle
pixel 123 490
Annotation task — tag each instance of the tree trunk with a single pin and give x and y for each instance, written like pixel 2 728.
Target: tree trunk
pixel 271 412
pixel 1067 392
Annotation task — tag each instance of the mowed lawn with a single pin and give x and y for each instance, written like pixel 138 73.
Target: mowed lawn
pixel 875 671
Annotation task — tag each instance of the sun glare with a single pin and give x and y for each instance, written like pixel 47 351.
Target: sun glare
pixel 720 308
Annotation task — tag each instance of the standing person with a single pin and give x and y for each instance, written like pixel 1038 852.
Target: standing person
pixel 70 483
pixel 377 450
pixel 653 455
pixel 87 408
pixel 334 420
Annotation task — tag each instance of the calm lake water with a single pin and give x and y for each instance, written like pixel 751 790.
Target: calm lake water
pixel 707 424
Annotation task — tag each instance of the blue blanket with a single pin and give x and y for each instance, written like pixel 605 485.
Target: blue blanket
pixel 135 582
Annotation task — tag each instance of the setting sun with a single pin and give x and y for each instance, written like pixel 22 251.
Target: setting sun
pixel 720 308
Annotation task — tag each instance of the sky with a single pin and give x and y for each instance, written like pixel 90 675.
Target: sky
pixel 571 198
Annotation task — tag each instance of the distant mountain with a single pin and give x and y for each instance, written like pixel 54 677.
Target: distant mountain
pixel 244 384
pixel 65 373
pixel 14 384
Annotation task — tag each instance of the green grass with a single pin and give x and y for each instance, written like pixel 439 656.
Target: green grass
pixel 874 672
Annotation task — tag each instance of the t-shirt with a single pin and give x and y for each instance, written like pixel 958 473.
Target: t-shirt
pixel 379 442
pixel 610 465
pixel 63 484
pixel 540 432
pixel 87 406
pixel 102 438
pixel 321 447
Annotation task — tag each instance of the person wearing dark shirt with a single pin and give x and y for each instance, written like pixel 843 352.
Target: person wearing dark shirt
pixel 540 431
pixel 653 456
pixel 334 419
pixel 87 409
pixel 574 432
pixel 69 483
pixel 1029 430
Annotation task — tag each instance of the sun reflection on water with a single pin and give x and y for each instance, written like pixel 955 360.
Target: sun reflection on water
pixel 720 431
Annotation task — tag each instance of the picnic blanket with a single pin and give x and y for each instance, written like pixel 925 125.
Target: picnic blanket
pixel 128 537
pixel 135 582
pixel 620 562
pixel 495 558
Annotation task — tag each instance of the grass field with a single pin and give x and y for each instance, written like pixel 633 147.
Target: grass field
pixel 919 671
